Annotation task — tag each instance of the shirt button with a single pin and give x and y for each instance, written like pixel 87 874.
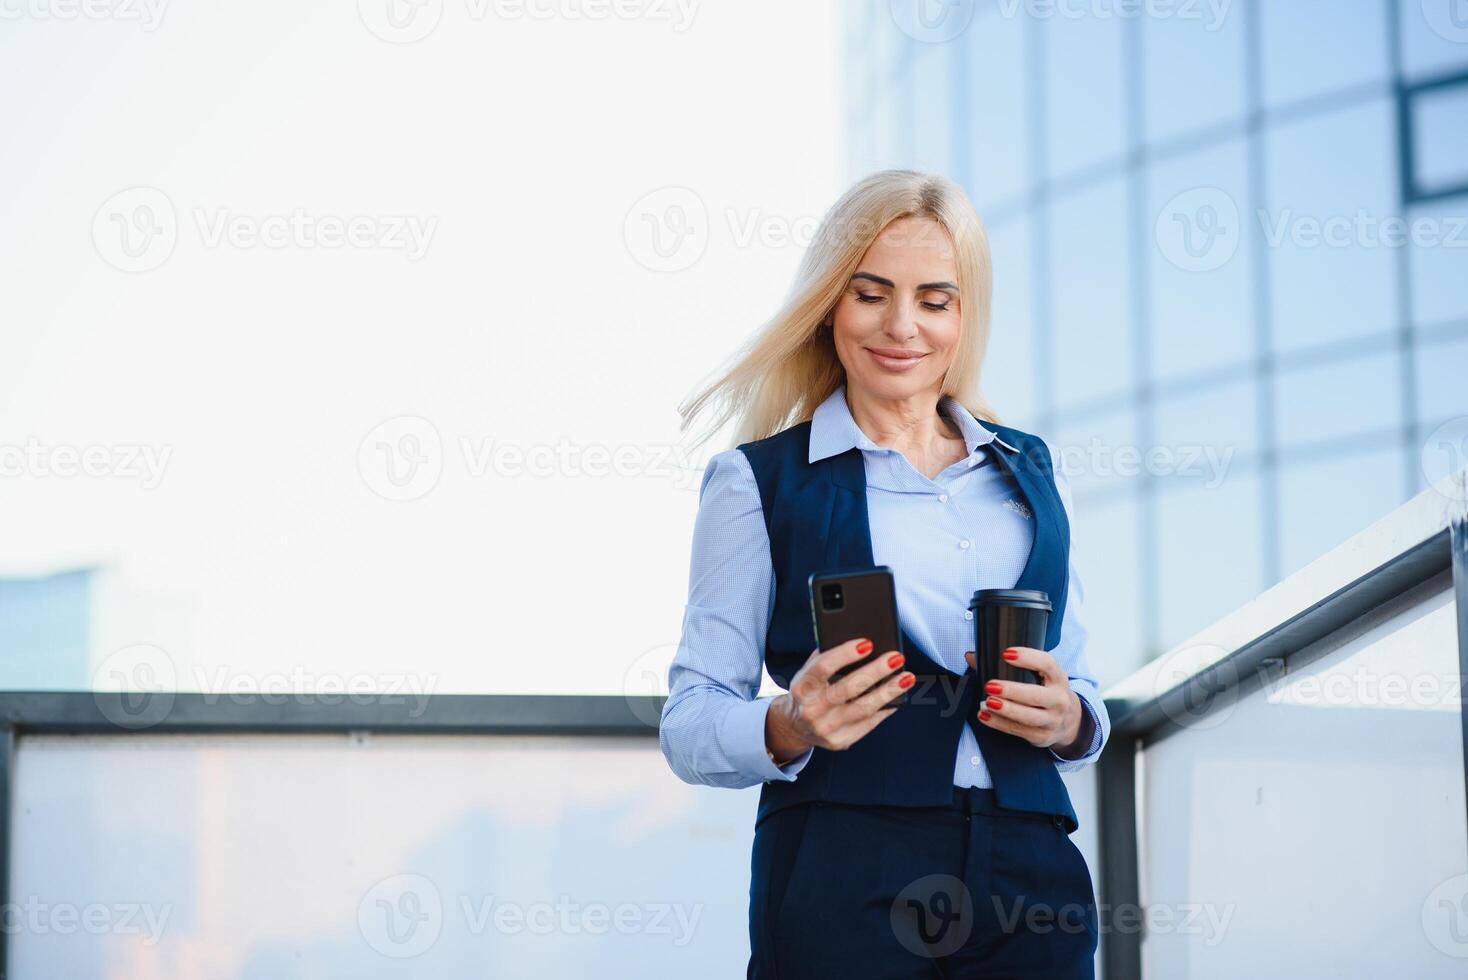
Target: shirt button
pixel 973 760
pixel 963 543
pixel 968 614
pixel 943 498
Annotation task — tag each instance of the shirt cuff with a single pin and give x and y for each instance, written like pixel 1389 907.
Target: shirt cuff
pixel 1092 750
pixel 743 741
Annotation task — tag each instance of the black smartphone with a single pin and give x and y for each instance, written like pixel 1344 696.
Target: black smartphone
pixel 847 604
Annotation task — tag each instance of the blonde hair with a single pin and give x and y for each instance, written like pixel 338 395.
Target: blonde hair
pixel 790 366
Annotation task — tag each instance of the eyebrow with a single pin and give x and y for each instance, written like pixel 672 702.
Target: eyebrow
pixel 882 281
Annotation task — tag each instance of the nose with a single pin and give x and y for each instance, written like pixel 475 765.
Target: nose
pixel 901 321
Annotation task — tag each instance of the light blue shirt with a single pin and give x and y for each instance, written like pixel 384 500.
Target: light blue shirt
pixel 966 529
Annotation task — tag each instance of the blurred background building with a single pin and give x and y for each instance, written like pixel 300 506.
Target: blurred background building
pixel 1233 234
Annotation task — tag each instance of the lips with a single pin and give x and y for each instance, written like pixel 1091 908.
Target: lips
pixel 895 359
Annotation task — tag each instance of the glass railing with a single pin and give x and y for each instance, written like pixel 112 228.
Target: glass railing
pixel 1284 794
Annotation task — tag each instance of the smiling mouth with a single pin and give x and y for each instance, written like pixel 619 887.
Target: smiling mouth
pixel 894 359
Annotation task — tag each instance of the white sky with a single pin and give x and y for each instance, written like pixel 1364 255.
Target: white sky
pixel 520 152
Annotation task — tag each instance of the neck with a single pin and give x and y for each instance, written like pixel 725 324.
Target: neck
pixel 911 425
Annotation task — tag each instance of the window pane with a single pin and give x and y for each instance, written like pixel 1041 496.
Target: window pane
pixel 1105 540
pixel 1085 122
pixel 932 107
pixel 1440 139
pixel 997 77
pixel 1211 559
pixel 1202 434
pixel 1315 47
pixel 1442 381
pixel 1434 36
pixel 1439 261
pixel 1339 399
pixel 1332 182
pixel 1189 55
pixel 1009 367
pixel 1100 451
pixel 1091 290
pixel 1324 502
pixel 1199 249
pixel 455 833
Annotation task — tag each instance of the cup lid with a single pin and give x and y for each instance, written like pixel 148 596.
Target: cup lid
pixel 1011 597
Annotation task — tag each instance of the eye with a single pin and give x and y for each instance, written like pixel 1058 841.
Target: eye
pixel 937 307
pixel 868 298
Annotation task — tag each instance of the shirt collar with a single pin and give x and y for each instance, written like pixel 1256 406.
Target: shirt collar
pixel 833 430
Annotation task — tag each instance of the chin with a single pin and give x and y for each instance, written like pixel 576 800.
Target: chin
pixel 891 386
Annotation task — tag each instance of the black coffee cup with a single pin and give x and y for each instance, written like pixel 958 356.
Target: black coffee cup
pixel 1005 618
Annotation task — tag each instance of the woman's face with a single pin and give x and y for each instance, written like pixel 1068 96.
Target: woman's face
pixel 897 325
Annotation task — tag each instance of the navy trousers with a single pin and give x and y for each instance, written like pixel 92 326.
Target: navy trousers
pixel 892 893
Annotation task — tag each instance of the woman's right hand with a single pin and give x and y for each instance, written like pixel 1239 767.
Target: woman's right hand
pixel 816 712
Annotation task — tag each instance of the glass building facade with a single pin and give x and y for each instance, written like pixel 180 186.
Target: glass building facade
pixel 1230 242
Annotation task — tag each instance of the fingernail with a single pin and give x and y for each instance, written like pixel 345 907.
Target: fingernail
pixel 906 680
pixel 993 687
pixel 995 703
pixel 895 660
pixel 1011 654
pixel 865 646
pixel 983 716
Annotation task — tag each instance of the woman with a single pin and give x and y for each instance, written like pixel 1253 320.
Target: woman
pixel 929 839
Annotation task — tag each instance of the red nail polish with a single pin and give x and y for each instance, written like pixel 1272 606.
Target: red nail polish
pixel 865 646
pixel 895 661
pixel 1011 654
pixel 993 687
pixel 906 681
pixel 995 703
pixel 983 716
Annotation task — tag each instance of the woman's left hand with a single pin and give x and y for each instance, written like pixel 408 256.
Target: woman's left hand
pixel 1045 714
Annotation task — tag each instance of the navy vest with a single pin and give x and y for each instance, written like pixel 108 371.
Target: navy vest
pixel 816 515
